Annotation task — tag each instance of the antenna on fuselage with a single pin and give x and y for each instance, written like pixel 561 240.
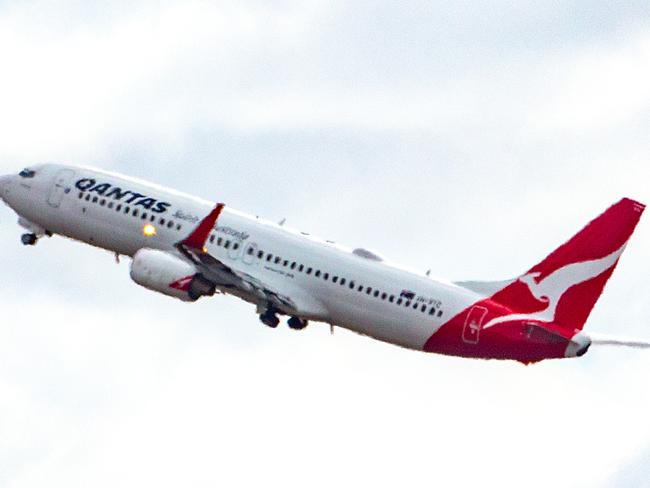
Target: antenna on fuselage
pixel 282 222
pixel 428 273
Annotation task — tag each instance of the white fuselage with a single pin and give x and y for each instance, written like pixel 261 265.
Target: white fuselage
pixel 110 211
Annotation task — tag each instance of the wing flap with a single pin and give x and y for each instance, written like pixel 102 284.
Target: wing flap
pixel 222 275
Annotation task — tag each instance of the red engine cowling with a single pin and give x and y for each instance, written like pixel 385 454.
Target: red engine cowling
pixel 167 274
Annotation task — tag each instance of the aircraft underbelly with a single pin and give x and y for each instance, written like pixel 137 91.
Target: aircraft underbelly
pixel 385 326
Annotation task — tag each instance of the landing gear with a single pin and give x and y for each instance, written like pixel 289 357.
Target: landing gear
pixel 296 323
pixel 269 319
pixel 28 239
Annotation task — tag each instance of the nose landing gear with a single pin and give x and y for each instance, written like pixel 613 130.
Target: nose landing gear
pixel 29 239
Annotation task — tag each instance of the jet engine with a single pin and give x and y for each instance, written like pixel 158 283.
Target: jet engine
pixel 170 275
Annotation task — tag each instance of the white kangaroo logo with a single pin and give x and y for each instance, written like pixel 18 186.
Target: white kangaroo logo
pixel 551 289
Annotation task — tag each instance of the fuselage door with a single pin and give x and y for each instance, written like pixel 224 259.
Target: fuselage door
pixel 60 187
pixel 236 249
pixel 474 324
pixel 250 252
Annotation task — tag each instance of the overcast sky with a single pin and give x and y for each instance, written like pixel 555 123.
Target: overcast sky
pixel 471 138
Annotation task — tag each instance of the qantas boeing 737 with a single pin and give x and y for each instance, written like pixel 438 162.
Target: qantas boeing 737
pixel 188 248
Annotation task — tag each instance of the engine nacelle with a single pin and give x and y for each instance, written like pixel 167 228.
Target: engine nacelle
pixel 167 274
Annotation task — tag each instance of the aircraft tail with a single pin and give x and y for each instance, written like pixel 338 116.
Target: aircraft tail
pixel 565 286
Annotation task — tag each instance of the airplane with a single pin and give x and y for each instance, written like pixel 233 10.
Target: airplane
pixel 188 248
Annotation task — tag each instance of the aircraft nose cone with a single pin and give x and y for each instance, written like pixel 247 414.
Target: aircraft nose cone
pixel 4 183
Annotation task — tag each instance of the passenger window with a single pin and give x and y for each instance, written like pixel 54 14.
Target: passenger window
pixel 235 246
pixel 360 288
pixel 439 313
pixel 399 301
pixel 407 304
pixel 277 259
pixel 153 218
pixel 376 294
pixel 162 222
pixel 144 216
pixel 309 270
pixel 179 226
pixel 219 241
pixel 102 202
pixel 391 298
pixel 286 263
pixel 250 251
pixel 95 199
pixel 432 311
pixel 317 273
pixel 260 254
pixel 342 281
pixel 81 195
pixel 384 296
pixel 212 239
pixel 415 306
pixel 27 173
pixel 170 224
pixel 127 210
pixel 351 285
pixel 326 276
pixel 269 257
pixel 300 268
pixel 424 308
pixel 293 265
pixel 369 290
pixel 110 205
pixel 227 245
pixel 87 198
pixel 118 208
pixel 135 212
pixel 335 279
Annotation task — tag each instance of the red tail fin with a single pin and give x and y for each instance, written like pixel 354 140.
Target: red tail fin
pixel 565 286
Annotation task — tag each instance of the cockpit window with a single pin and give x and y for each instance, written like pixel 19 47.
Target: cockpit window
pixel 27 173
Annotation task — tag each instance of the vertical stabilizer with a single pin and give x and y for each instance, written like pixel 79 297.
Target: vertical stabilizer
pixel 565 286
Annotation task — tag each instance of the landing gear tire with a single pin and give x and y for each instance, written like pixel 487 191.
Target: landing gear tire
pixel 296 323
pixel 28 239
pixel 270 320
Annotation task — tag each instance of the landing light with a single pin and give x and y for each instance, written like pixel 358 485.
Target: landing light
pixel 149 230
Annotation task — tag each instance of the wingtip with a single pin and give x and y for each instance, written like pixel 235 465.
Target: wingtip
pixel 636 205
pixel 198 237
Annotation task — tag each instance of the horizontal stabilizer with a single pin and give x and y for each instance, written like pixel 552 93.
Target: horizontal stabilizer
pixel 485 288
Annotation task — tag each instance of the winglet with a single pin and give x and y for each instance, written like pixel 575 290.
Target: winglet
pixel 197 239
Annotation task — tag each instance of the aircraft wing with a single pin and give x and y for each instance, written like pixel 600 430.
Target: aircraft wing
pixel 224 276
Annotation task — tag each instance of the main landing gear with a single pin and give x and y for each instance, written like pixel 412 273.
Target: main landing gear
pixel 296 323
pixel 29 239
pixel 270 319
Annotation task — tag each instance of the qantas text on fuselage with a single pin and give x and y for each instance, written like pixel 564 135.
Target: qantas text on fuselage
pixel 188 248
